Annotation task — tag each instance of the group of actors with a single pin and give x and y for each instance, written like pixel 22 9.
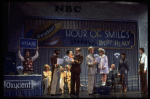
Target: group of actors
pixel 54 80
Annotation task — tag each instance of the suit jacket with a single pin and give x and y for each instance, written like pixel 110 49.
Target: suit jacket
pixel 76 66
pixel 89 62
pixel 53 62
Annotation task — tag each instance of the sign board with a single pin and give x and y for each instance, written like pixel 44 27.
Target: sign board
pixel 83 38
pixel 28 43
pixel 20 84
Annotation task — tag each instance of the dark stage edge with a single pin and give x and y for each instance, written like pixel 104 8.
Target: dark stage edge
pixel 84 94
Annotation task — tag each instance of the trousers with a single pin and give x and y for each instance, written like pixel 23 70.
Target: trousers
pixel 91 83
pixel 143 79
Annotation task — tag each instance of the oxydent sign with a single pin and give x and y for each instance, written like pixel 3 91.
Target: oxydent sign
pixel 20 84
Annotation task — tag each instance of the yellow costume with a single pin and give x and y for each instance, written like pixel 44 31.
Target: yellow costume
pixel 46 80
pixel 68 75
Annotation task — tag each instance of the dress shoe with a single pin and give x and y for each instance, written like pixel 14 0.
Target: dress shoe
pixel 52 94
pixel 58 94
pixel 143 92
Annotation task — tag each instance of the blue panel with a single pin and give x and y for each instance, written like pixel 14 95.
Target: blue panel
pixel 28 43
pixel 21 82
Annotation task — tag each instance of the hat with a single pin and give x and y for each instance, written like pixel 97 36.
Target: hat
pixel 46 65
pixel 90 48
pixel 46 31
pixel 101 49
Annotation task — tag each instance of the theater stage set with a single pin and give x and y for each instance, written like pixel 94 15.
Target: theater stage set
pixel 115 26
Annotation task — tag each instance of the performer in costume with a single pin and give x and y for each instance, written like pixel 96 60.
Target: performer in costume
pixel 28 61
pixel 75 72
pixel 123 69
pixel 55 83
pixel 62 75
pixel 143 71
pixel 68 77
pixel 46 78
pixel 90 61
pixel 103 65
pixel 68 64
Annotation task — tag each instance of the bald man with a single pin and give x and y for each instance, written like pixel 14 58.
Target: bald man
pixel 113 73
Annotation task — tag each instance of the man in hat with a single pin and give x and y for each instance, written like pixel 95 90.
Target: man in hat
pixel 28 61
pixel 143 71
pixel 90 61
pixel 75 71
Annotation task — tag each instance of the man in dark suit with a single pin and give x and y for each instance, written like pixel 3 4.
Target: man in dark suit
pixel 75 72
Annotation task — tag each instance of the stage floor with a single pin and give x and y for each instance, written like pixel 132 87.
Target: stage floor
pixel 84 94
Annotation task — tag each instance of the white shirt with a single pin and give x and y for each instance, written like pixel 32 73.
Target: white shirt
pixel 144 60
pixel 33 58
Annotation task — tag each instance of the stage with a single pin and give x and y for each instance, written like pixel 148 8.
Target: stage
pixel 84 94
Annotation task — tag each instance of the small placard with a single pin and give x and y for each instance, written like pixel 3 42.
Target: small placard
pixel 28 43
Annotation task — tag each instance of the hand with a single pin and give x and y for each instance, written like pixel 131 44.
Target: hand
pixel 144 71
pixel 103 68
pixel 19 48
pixel 118 74
pixel 94 63
pixel 37 49
pixel 72 61
pixel 57 65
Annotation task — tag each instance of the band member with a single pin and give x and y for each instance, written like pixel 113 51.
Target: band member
pixel 143 71
pixel 75 71
pixel 55 83
pixel 103 65
pixel 123 69
pixel 28 61
pixel 46 78
pixel 90 61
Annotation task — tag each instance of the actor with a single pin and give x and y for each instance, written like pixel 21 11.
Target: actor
pixel 46 78
pixel 113 73
pixel 62 75
pixel 28 61
pixel 55 83
pixel 103 65
pixel 123 69
pixel 143 71
pixel 68 77
pixel 69 60
pixel 90 61
pixel 75 71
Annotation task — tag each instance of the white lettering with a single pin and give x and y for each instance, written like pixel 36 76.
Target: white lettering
pixel 75 33
pixel 93 32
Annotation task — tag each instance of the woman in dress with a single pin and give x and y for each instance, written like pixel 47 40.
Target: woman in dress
pixel 103 65
pixel 46 78
pixel 123 69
